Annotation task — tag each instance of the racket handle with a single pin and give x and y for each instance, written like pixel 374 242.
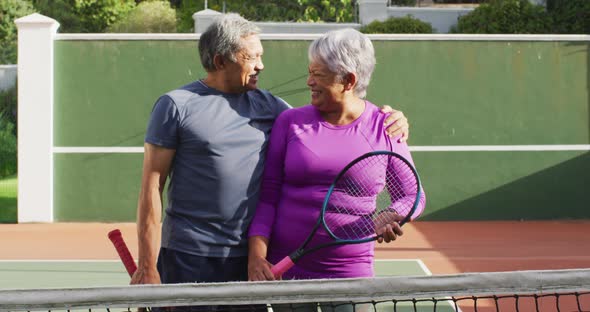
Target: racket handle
pixel 282 267
pixel 126 257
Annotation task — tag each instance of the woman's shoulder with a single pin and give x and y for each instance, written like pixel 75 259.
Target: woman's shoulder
pixel 374 112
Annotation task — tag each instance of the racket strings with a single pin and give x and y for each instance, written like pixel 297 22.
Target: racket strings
pixel 373 192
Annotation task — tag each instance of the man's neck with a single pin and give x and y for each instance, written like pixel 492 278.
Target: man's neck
pixel 218 81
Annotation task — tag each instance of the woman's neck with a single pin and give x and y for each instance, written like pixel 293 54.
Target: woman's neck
pixel 351 110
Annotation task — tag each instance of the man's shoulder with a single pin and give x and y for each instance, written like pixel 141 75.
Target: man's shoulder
pixel 264 102
pixel 265 96
pixel 190 89
pixel 187 92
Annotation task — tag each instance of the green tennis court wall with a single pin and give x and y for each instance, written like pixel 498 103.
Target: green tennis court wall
pixel 454 92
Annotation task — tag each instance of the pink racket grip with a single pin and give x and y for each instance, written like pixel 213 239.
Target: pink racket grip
pixel 282 267
pixel 126 257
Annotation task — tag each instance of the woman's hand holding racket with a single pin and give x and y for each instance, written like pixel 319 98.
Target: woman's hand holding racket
pixel 370 199
pixel 387 227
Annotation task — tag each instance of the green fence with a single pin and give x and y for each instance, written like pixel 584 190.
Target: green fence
pixel 509 95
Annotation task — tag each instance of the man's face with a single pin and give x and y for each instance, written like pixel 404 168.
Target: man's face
pixel 243 74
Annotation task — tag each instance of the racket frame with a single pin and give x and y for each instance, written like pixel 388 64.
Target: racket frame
pixel 344 170
pixel 301 251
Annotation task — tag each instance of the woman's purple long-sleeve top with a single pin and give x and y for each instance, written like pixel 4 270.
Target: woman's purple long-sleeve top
pixel 304 155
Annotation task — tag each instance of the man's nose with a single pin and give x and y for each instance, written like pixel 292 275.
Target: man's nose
pixel 259 65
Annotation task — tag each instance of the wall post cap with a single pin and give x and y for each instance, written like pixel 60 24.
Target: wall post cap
pixel 207 12
pixel 36 19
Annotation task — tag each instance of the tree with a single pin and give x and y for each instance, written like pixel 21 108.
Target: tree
pixel 85 16
pixel 398 25
pixel 7 132
pixel 570 16
pixel 97 15
pixel 148 17
pixel 9 11
pixel 505 17
pixel 341 11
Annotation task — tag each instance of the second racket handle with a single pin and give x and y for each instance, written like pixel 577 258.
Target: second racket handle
pixel 126 257
pixel 282 267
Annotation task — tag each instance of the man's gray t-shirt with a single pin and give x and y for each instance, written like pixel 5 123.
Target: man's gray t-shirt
pixel 220 141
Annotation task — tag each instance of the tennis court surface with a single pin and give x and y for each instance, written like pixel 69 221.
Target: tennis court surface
pixel 78 270
pixel 32 274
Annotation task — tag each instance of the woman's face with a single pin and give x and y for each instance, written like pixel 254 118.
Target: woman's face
pixel 327 91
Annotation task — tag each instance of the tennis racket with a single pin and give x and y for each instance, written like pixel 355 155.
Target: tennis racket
pixel 121 247
pixel 375 189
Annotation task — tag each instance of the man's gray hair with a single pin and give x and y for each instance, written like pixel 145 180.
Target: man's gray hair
pixel 346 51
pixel 223 37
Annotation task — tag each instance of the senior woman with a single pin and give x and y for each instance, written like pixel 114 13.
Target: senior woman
pixel 308 147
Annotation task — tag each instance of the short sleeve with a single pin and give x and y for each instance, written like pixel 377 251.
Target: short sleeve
pixel 163 125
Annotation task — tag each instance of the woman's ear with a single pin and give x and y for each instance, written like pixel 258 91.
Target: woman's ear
pixel 350 81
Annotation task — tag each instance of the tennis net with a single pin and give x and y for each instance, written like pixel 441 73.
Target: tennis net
pixel 555 290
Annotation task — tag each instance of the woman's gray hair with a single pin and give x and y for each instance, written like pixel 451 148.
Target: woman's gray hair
pixel 223 37
pixel 346 51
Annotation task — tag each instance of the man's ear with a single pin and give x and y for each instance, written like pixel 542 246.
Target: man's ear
pixel 219 61
pixel 350 81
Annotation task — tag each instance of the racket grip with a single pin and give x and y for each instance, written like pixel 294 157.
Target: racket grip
pixel 282 267
pixel 126 257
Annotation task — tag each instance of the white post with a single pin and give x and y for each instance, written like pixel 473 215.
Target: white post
pixel 35 117
pixel 203 19
pixel 371 10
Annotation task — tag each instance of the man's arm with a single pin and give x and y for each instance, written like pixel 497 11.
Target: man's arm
pixel 156 166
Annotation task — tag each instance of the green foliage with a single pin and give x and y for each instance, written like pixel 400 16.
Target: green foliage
pixel 62 11
pixel 569 16
pixel 403 2
pixel 398 25
pixel 184 14
pixel 505 17
pixel 274 11
pixel 8 105
pixel 7 148
pixel 8 132
pixel 148 17
pixel 85 16
pixel 98 15
pixel 9 11
pixel 341 11
pixel 8 198
pixel 460 1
